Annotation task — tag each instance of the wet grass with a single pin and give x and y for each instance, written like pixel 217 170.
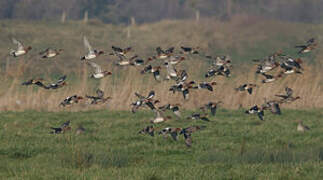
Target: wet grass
pixel 233 146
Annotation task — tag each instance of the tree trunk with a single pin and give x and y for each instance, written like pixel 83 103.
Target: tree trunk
pixel 197 15
pixel 63 19
pixel 86 17
pixel 229 9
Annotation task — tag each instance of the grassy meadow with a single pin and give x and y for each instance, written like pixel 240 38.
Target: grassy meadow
pixel 233 146
pixel 243 38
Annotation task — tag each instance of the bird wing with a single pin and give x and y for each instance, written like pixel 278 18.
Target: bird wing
pixel 171 70
pixel 289 91
pixel 151 95
pixel 170 50
pixel 96 67
pixel 186 49
pixel 150 105
pixel 158 113
pixel 139 96
pixel 174 135
pixel 188 139
pixel 159 51
pixel 267 76
pixel 204 119
pixel 261 115
pixel 26 83
pixel 100 93
pixel 213 110
pixel 44 51
pixel 116 49
pixel 18 43
pixel 249 90
pixel 61 79
pixel 87 45
pixel 40 84
pixel 275 109
pixel 301 46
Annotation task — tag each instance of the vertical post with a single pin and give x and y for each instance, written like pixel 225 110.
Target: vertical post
pixel 86 17
pixel 63 18
pixel 128 32
pixel 197 16
pixel 133 21
pixel 229 9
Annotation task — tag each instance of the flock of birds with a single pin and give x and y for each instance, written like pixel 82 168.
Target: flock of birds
pixel 167 59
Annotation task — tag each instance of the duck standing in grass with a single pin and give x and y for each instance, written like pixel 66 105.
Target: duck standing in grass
pixel 92 53
pixel 21 49
pixel 301 127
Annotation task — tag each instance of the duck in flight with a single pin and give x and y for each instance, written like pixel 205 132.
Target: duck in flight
pixel 92 53
pixel 21 49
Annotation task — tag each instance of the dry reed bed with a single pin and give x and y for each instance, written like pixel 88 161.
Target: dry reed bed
pixel 239 38
pixel 121 88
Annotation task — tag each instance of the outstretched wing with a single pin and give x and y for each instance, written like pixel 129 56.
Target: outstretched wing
pixel 159 51
pixel 100 93
pixel 87 45
pixel 174 135
pixel 289 91
pixel 267 76
pixel 96 67
pixel 18 43
pixel 188 139
pixel 151 94
pixel 186 49
pixel 61 79
pixel 139 96
pixel 169 50
pixel 116 49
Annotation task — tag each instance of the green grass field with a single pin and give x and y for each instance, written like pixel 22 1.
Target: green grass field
pixel 233 146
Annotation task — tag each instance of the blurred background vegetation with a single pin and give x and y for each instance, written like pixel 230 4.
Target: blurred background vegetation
pixel 119 11
pixel 245 30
